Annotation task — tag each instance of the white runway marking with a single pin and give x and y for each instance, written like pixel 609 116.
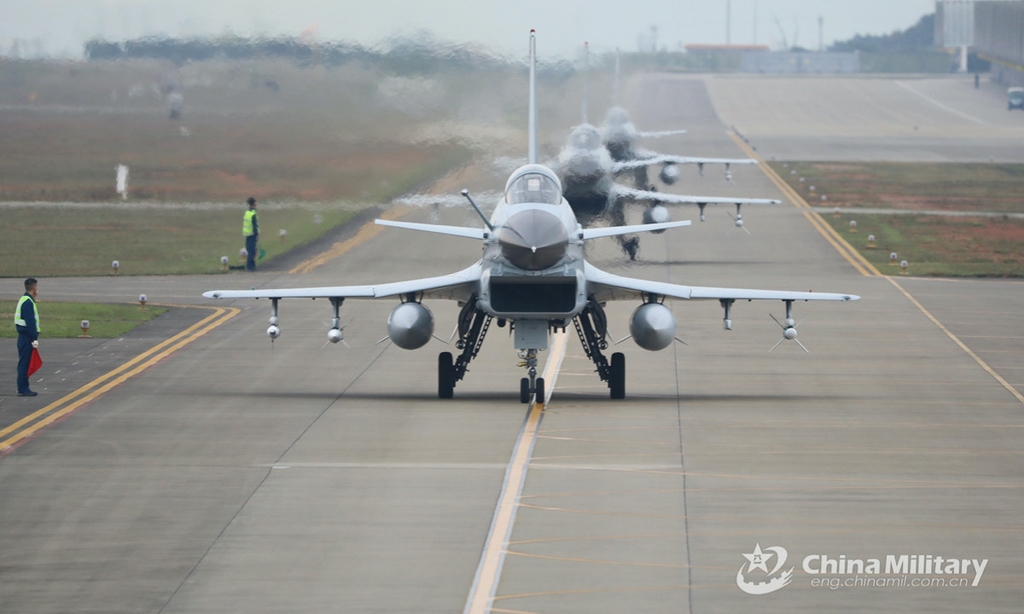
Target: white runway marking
pixel 940 105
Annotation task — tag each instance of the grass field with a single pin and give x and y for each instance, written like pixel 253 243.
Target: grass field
pixel 319 145
pixel 49 240
pixel 910 185
pixel 939 246
pixel 61 320
pixel 930 223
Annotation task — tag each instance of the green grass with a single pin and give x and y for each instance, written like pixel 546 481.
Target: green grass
pixel 938 246
pixel 909 185
pixel 64 320
pixel 332 141
pixel 932 245
pixel 46 240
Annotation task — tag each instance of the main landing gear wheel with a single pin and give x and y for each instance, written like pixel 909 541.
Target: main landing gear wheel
pixel 445 376
pixel 617 376
pixel 524 390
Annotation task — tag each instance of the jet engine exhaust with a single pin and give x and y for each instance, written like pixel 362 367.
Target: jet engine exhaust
pixel 652 326
pixel 533 240
pixel 410 326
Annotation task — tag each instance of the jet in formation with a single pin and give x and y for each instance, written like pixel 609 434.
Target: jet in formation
pixel 588 175
pixel 592 160
pixel 620 137
pixel 533 278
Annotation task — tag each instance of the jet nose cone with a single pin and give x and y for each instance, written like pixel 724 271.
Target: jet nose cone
pixel 533 240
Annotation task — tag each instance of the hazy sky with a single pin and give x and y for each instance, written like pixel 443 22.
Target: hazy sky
pixel 60 27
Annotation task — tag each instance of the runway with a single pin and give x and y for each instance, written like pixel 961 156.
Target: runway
pixel 866 117
pixel 239 475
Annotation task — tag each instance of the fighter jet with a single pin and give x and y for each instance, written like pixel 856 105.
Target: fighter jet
pixel 533 278
pixel 587 172
pixel 592 159
pixel 620 137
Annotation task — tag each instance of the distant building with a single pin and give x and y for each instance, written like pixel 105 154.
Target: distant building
pixel 721 57
pixel 760 59
pixel 954 27
pixel 726 49
pixel 800 62
pixel 999 38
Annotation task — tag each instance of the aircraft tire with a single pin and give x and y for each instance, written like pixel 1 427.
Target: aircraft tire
pixel 445 376
pixel 524 390
pixel 540 391
pixel 617 377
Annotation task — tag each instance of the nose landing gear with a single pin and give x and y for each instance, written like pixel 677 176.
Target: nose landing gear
pixel 530 385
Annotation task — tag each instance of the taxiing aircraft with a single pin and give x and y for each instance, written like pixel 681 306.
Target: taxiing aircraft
pixel 591 160
pixel 587 173
pixel 620 135
pixel 533 278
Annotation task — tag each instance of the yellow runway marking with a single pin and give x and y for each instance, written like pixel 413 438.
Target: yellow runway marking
pixel 845 249
pixel 31 424
pixel 367 232
pixel 485 584
pixel 859 262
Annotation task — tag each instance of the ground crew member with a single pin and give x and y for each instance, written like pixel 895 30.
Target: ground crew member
pixel 26 320
pixel 251 230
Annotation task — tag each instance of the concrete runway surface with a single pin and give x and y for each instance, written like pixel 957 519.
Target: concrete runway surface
pixel 229 474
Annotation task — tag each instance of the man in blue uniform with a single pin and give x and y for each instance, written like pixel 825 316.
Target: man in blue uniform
pixel 26 320
pixel 251 230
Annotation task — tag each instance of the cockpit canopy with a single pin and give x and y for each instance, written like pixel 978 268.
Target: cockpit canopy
pixel 533 183
pixel 586 137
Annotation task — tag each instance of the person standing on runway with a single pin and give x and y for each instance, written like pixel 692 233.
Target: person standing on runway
pixel 26 320
pixel 251 230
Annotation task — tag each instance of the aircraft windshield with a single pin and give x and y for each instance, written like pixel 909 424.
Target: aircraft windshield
pixel 533 188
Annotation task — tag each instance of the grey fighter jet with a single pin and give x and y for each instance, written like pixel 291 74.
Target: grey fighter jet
pixel 620 137
pixel 593 159
pixel 587 172
pixel 533 278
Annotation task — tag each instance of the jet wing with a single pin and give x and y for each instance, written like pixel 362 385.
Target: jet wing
pixel 457 286
pixel 609 287
pixel 657 134
pixel 454 231
pixel 612 231
pixel 670 159
pixel 621 191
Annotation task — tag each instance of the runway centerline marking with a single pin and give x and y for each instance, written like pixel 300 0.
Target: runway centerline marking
pixel 40 419
pixel 488 573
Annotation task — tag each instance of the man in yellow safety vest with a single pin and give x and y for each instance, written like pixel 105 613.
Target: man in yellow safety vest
pixel 251 230
pixel 26 320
